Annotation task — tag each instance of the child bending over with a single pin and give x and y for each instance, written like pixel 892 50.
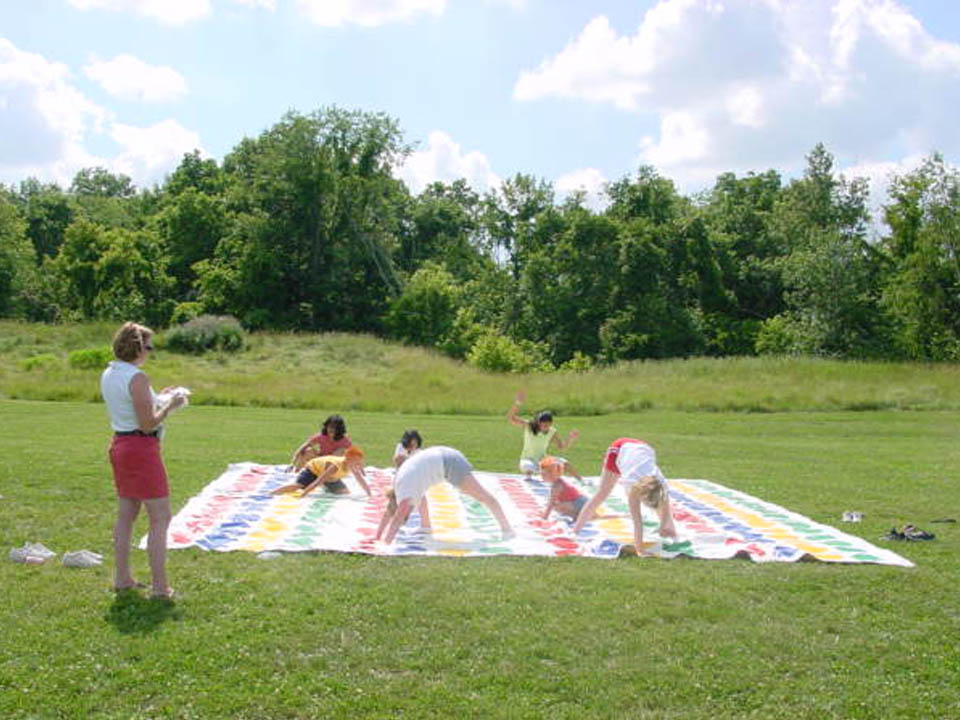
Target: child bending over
pixel 634 464
pixel 329 471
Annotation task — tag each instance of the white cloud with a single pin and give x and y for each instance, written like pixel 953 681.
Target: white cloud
pixel 129 78
pixel 43 118
pixel 149 153
pixel 47 126
pixel 443 160
pixel 587 180
pixel 166 12
pixel 265 4
pixel 369 13
pixel 514 4
pixel 752 84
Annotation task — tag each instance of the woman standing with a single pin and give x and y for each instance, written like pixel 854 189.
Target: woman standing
pixel 138 472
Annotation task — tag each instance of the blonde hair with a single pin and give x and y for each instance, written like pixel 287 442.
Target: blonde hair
pixel 649 490
pixel 391 501
pixel 130 340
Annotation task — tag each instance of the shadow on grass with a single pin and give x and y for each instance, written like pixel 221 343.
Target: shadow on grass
pixel 131 612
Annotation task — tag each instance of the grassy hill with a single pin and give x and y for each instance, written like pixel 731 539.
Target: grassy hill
pixel 355 372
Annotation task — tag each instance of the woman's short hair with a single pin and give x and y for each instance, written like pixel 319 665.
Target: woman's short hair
pixel 130 340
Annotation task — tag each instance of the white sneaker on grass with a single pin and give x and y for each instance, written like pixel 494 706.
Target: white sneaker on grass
pixel 21 555
pixel 38 550
pixel 81 559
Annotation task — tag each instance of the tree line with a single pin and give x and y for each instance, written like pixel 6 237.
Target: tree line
pixel 307 228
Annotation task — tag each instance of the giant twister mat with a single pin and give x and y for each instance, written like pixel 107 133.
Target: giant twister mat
pixel 237 512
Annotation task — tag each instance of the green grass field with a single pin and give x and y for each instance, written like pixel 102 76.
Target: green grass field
pixel 326 635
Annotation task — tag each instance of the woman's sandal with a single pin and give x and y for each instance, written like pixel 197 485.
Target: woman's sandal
pixel 167 596
pixel 127 588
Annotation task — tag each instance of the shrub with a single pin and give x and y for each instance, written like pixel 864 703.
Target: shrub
pixel 43 361
pixel 777 336
pixel 578 363
pixel 463 334
pixel 185 312
pixel 90 358
pixel 424 314
pixel 498 353
pixel 207 332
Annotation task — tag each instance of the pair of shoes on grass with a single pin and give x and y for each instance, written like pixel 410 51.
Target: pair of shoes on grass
pixel 908 532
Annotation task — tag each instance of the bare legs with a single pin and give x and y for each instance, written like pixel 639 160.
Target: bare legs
pixel 127 511
pixel 469 486
pixel 607 482
pixel 474 489
pixel 158 510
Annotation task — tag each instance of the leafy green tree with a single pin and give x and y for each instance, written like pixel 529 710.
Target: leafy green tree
pixel 199 174
pixel 664 273
pixel 424 313
pixel 101 182
pixel 831 275
pixel 316 223
pixel 113 274
pixel 191 224
pixel 566 284
pixel 922 292
pixel 739 214
pixel 17 260
pixel 508 215
pixel 48 212
pixel 443 227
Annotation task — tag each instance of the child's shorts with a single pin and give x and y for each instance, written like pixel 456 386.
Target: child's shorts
pixel 456 467
pixel 578 505
pixel 306 477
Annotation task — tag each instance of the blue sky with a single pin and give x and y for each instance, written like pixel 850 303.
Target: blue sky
pixel 577 92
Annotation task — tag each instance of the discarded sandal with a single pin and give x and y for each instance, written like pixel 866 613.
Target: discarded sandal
pixel 894 534
pixel 129 588
pixel 909 532
pixel 912 532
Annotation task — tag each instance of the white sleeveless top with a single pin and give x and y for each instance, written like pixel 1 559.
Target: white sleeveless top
pixel 115 389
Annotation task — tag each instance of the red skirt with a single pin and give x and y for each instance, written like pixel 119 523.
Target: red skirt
pixel 138 471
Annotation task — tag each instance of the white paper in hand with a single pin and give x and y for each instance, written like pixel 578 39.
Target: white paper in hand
pixel 164 398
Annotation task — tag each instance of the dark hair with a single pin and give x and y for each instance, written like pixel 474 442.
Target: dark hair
pixel 338 425
pixel 545 416
pixel 409 435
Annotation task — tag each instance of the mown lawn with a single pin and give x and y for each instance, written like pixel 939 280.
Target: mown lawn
pixel 325 635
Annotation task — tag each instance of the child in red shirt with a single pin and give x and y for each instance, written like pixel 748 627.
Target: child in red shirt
pixel 331 440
